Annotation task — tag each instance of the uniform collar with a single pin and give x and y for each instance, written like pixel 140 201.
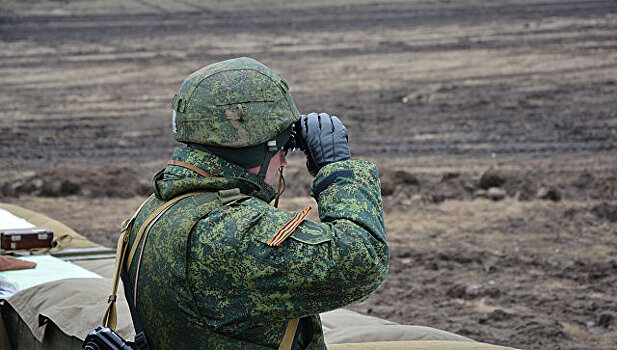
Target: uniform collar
pixel 174 180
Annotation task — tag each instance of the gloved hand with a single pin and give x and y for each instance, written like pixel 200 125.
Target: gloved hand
pixel 325 140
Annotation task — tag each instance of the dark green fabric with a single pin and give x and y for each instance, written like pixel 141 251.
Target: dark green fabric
pixel 247 157
pixel 208 279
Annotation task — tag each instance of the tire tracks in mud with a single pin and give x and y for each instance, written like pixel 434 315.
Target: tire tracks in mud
pixel 105 84
pixel 335 18
pixel 101 74
pixel 149 5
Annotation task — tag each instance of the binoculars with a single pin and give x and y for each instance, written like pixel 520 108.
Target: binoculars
pixel 296 142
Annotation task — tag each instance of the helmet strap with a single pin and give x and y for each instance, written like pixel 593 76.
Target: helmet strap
pixel 271 150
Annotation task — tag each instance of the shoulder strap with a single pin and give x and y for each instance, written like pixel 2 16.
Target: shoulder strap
pixel 144 231
pixel 147 222
pixel 141 341
pixel 225 196
pixel 110 318
pixel 290 340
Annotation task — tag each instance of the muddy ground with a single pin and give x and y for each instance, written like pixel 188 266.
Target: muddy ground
pixel 494 124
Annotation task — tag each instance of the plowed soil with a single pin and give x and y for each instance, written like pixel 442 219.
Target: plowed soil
pixel 494 124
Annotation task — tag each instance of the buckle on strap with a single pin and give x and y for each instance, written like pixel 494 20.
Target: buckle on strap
pixel 141 343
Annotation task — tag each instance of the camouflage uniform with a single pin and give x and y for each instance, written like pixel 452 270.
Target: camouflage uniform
pixel 208 278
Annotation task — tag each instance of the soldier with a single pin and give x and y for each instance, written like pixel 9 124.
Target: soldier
pixel 212 264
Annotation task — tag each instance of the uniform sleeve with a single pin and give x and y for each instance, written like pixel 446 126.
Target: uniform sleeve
pixel 327 265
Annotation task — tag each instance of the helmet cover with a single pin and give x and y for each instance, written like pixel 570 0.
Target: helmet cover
pixel 236 103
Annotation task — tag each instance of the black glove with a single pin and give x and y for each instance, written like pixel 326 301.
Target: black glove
pixel 324 141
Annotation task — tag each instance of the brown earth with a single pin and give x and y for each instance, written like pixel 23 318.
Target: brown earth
pixel 494 125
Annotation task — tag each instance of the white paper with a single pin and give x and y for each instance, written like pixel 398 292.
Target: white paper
pixel 48 268
pixel 8 221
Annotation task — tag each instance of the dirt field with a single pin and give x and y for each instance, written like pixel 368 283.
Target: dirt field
pixel 494 124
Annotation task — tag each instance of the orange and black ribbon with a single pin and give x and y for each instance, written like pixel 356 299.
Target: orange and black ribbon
pixel 289 227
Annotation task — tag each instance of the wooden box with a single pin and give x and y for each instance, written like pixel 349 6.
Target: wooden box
pixel 26 239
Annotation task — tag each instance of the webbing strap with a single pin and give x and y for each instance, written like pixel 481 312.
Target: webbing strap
pixel 271 150
pixel 290 333
pixel 150 222
pixel 141 341
pixel 146 223
pixel 110 318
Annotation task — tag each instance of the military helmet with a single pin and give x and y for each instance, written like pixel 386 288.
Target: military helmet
pixel 238 109
pixel 233 104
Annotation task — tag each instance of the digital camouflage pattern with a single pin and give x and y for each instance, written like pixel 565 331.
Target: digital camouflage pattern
pixel 209 280
pixel 235 103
